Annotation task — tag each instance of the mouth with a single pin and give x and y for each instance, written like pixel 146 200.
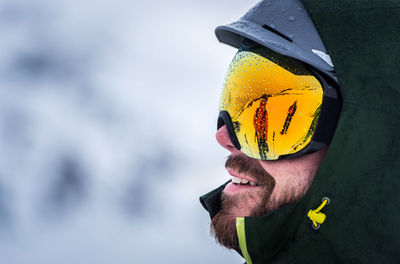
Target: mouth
pixel 240 182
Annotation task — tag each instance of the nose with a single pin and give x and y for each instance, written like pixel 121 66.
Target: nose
pixel 224 140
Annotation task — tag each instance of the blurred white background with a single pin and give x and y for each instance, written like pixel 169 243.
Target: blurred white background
pixel 107 119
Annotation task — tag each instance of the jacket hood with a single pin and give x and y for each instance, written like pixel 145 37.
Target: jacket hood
pixel 361 170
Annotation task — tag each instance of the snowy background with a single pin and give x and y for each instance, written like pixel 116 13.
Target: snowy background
pixel 107 120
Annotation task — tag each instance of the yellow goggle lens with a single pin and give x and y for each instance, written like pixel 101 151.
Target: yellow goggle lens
pixel 274 109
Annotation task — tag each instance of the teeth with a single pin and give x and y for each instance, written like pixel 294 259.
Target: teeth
pixel 236 180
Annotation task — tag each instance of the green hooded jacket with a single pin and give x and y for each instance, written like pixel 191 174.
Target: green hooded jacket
pixel 361 172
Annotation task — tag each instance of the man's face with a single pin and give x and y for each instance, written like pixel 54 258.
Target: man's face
pixel 259 187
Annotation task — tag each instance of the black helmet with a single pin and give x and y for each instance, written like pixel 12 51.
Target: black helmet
pixel 283 26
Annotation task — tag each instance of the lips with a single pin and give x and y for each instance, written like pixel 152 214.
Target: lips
pixel 239 183
pixel 240 179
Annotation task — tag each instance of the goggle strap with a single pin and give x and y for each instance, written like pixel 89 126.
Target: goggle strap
pixel 328 119
pixel 225 119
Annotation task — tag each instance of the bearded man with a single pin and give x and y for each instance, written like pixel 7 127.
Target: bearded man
pixel 314 149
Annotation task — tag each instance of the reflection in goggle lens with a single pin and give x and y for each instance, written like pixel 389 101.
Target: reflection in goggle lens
pixel 273 103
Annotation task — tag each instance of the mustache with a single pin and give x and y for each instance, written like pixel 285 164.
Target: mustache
pixel 251 168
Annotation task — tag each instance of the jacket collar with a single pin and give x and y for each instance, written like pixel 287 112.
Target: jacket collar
pixel 266 235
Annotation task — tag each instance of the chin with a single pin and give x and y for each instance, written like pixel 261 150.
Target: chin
pixel 239 207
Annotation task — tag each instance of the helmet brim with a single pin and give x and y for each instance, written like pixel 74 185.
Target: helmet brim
pixel 234 33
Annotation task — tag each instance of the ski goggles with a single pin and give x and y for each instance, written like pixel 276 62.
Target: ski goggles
pixel 275 107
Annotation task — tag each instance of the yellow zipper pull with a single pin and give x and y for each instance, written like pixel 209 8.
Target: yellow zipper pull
pixel 316 216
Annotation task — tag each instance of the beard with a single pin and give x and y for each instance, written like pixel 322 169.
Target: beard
pixel 223 224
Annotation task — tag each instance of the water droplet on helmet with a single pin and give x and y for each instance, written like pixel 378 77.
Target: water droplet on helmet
pixel 292 18
pixel 272 26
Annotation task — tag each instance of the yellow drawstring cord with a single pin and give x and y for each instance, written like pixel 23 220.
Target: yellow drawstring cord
pixel 316 216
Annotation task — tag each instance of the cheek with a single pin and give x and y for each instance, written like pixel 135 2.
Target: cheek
pixel 278 168
pixel 307 164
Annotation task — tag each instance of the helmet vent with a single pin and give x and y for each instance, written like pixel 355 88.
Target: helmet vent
pixel 273 30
